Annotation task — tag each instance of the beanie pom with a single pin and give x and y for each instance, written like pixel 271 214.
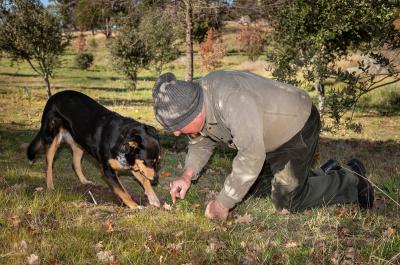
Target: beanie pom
pixel 164 78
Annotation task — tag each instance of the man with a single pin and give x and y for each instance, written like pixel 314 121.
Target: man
pixel 267 122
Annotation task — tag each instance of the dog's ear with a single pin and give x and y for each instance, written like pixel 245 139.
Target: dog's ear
pixel 151 131
pixel 134 141
pixel 133 144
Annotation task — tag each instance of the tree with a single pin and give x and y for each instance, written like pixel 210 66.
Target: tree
pixel 86 15
pixel 196 16
pixel 30 33
pixel 129 52
pixel 252 39
pixel 312 35
pixel 211 51
pixel 160 41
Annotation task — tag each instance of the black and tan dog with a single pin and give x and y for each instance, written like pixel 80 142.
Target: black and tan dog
pixel 116 142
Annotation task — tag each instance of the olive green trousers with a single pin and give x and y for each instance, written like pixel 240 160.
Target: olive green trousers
pixel 293 185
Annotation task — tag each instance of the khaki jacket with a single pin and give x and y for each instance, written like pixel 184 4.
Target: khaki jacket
pixel 252 114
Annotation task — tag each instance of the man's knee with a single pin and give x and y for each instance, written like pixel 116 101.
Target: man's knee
pixel 284 197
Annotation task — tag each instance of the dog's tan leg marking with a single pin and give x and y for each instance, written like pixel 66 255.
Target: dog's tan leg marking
pixel 50 152
pixel 114 164
pixel 143 169
pixel 120 191
pixel 148 189
pixel 77 154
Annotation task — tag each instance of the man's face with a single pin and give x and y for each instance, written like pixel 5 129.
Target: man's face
pixel 195 126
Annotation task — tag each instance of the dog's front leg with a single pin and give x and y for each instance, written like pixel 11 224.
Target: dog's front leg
pixel 112 180
pixel 148 189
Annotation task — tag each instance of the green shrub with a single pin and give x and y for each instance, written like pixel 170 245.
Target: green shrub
pixel 84 60
pixel 390 103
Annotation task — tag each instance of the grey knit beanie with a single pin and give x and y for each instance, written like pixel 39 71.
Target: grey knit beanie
pixel 176 103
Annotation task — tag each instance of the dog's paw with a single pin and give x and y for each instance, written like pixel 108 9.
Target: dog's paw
pixel 153 200
pixel 88 182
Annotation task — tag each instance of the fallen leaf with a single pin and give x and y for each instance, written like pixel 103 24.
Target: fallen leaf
pixel 248 259
pixel 33 260
pixel 211 195
pixel 23 246
pixel 115 262
pixel 344 232
pixel 197 205
pixel 179 233
pixel 176 247
pixel 292 244
pixel 167 206
pixel 33 229
pixel 319 245
pixel 15 220
pixel 389 232
pixel 39 189
pixel 54 250
pixel 214 245
pixel 285 211
pixel 105 257
pixel 350 253
pixel 342 211
pixel 246 218
pixel 205 190
pixel 99 246
pixel 147 249
pixel 165 174
pixel 337 258
pixel 108 226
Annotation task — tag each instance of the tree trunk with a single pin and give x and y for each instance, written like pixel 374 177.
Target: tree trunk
pixel 189 41
pixel 320 89
pixel 47 82
pixel 133 80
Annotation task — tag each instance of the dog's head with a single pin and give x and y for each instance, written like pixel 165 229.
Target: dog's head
pixel 139 148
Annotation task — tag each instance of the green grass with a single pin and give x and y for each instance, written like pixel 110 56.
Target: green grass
pixel 64 226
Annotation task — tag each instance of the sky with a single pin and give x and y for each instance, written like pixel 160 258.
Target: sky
pixel 45 2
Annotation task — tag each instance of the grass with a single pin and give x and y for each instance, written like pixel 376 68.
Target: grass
pixel 66 227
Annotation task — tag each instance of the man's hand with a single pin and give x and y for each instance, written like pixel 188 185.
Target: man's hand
pixel 180 186
pixel 215 210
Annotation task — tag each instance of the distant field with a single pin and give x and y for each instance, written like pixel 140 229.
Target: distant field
pixel 66 227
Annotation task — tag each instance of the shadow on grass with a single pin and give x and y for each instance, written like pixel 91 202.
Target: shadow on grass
pixel 19 74
pixel 14 168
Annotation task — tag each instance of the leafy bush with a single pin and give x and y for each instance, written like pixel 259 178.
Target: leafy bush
pixel 252 41
pixel 390 104
pixel 84 60
pixel 211 51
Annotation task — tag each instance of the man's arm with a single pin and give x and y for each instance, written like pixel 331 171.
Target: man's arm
pixel 246 124
pixel 200 150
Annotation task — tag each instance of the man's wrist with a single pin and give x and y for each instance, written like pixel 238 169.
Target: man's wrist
pixel 187 175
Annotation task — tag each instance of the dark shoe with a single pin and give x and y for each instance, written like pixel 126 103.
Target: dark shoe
pixel 364 187
pixel 330 164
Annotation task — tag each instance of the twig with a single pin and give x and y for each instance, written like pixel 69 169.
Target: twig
pixel 374 185
pixel 91 195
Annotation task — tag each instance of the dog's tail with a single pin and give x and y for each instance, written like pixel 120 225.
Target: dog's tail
pixel 34 147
